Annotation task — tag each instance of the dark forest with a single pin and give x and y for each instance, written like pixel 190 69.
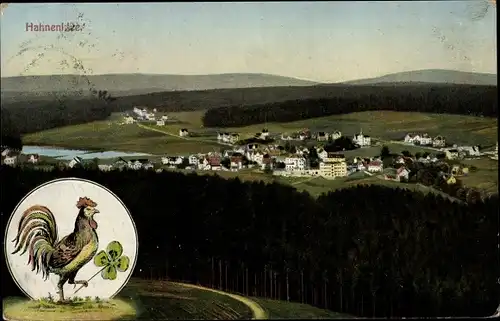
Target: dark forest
pixel 366 251
pixel 463 100
pixel 246 106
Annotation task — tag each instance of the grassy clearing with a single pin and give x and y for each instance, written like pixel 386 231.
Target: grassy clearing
pixel 111 136
pixel 23 309
pixel 161 300
pixel 486 176
pixel 289 310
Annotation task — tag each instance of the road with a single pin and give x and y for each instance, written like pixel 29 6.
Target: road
pixel 257 311
pixel 181 137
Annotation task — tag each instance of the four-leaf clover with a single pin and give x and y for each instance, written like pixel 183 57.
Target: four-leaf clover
pixel 112 260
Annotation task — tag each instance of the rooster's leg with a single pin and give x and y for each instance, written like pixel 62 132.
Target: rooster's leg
pixel 60 285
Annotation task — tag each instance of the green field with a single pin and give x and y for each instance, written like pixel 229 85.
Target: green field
pixel 111 136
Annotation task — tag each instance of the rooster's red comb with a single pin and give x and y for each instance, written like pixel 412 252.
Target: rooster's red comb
pixel 85 202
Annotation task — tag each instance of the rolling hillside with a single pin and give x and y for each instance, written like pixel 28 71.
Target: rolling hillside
pixel 440 76
pixel 135 84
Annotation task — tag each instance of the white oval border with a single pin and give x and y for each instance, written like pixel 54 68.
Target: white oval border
pixel 80 180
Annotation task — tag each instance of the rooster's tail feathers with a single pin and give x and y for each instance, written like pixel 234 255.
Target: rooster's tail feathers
pixel 37 231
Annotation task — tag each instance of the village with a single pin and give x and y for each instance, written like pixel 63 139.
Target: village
pixel 298 154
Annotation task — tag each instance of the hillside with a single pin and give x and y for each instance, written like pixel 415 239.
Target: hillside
pixel 440 76
pixel 134 84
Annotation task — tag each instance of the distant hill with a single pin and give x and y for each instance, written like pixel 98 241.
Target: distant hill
pixel 136 84
pixel 440 76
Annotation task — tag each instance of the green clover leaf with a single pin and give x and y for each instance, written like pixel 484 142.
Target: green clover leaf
pixel 112 261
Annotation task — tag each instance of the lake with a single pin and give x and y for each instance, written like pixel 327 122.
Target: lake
pixel 67 154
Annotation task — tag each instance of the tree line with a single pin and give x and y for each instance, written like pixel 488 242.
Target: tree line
pixel 366 250
pixel 24 117
pixel 456 99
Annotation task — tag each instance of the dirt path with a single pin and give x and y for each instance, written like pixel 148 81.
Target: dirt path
pixel 257 311
pixel 181 137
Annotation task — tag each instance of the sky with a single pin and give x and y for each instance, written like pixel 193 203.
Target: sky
pixel 320 41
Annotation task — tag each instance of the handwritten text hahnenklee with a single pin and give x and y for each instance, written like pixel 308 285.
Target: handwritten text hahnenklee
pixel 62 27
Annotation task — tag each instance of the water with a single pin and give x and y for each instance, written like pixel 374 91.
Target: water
pixel 67 154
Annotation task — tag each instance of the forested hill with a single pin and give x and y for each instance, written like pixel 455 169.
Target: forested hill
pixel 364 251
pixel 449 99
pixel 134 84
pixel 436 76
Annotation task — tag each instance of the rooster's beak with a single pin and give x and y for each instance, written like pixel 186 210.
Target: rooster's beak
pixel 96 211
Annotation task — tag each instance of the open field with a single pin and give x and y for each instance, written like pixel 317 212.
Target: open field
pixel 111 136
pixel 388 125
pixel 486 176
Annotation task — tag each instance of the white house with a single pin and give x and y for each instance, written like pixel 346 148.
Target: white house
pixel 264 134
pixel 183 132
pixel 193 160
pixel 403 172
pixel 438 141
pixel 362 140
pixel 160 122
pixel 6 152
pixel 322 154
pixel 470 150
pixel 336 135
pixel 33 158
pixel 164 117
pixel 236 163
pixel 295 163
pixel 451 153
pixel 105 167
pixel 425 140
pixel 255 156
pixel 412 138
pixel 128 120
pixel 375 166
pixel 76 160
pixel 322 136
pixel 10 160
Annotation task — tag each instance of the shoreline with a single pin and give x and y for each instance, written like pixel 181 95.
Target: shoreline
pixel 85 150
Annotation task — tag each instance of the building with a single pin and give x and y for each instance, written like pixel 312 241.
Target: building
pixel 164 117
pixel 10 160
pixel 336 135
pixel 375 166
pixel 295 163
pixel 236 163
pixel 160 122
pixel 333 166
pixel 362 140
pixel 438 141
pixel 425 140
pixel 412 138
pixel 128 120
pixel 470 150
pixel 264 134
pixel 322 136
pixel 451 153
pixel 75 161
pixel 33 158
pixel 183 132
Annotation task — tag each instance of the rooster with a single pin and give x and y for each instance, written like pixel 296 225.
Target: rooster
pixel 37 232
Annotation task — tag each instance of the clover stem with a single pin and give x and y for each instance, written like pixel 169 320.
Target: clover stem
pixel 93 276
